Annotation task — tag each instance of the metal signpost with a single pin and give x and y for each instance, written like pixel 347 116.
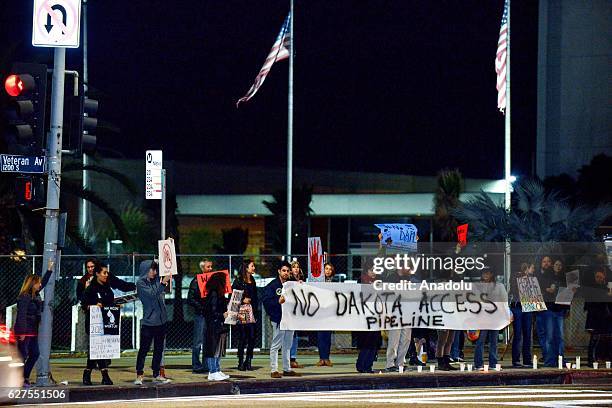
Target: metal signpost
pixel 155 183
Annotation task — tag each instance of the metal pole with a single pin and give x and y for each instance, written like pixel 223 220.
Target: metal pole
pixel 507 144
pixel 290 137
pixel 54 158
pixel 85 207
pixel 163 204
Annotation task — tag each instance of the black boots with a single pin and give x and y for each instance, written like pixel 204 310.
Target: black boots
pixel 87 377
pixel 247 364
pixel 105 378
pixel 444 364
pixel 241 365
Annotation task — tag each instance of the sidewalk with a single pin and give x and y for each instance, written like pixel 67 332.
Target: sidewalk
pixel 341 376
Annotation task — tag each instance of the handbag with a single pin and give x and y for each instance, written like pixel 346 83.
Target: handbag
pixel 245 314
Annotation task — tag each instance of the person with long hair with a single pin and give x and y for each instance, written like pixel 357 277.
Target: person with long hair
pixel 297 275
pixel 558 312
pixel 598 307
pixel 29 311
pixel 521 325
pixel 100 293
pixel 215 312
pixel 246 331
pixel 324 337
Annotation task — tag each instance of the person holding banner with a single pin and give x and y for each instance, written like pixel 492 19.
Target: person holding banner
pixel 215 312
pixel 488 278
pixel 521 340
pixel 398 340
pixel 281 339
pixel 297 275
pixel 29 311
pixel 100 293
pixel 324 337
pixel 153 325
pixel 246 330
pixel 194 299
pixel 368 342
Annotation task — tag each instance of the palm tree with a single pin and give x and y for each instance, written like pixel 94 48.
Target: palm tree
pixel 446 199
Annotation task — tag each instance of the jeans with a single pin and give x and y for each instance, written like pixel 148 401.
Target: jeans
pixel 365 359
pixel 324 344
pixel 458 343
pixel 557 344
pixel 199 333
pixel 214 364
pixel 479 349
pixel 398 342
pixel 28 348
pixel 294 346
pixel 522 336
pixel 281 339
pixel 246 337
pixel 148 334
pixel 544 330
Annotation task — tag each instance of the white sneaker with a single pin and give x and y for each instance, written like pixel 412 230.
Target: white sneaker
pixel 138 380
pixel 161 380
pixel 225 376
pixel 216 377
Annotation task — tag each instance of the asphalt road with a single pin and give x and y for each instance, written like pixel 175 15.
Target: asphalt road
pixel 524 396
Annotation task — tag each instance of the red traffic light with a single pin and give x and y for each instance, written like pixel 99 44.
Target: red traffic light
pixel 16 84
pixel 27 196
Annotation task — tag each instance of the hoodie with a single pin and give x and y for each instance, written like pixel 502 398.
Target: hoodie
pixel 151 294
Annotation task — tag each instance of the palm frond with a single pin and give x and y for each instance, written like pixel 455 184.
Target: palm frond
pixel 121 178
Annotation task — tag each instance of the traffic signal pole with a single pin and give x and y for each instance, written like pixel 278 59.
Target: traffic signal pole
pixel 54 163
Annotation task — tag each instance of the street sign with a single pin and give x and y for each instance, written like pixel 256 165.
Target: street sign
pixel 153 175
pixel 56 23
pixel 12 163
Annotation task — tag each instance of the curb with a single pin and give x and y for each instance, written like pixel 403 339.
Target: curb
pixel 352 382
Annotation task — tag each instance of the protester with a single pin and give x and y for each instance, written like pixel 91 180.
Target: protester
pixel 543 318
pixel 297 275
pixel 598 307
pixel 154 322
pixel 29 311
pixel 457 347
pixel 558 313
pixel 368 342
pixel 85 280
pixel 398 340
pixel 281 339
pixel 246 331
pixel 493 291
pixel 324 337
pixel 521 325
pixel 100 293
pixel 194 299
pixel 215 312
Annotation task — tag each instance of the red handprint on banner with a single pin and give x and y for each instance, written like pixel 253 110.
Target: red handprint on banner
pixel 315 257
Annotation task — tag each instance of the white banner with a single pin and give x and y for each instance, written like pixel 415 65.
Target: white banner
pixel 104 332
pixel 357 307
pixel 167 257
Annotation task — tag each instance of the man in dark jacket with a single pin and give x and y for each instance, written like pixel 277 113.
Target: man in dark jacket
pixel 153 329
pixel 272 300
pixel 199 324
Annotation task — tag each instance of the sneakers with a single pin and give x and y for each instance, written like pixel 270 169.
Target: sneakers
pixel 218 376
pixel 291 374
pixel 391 369
pixel 329 363
pixel 295 364
pixel 160 379
pixel 138 380
pixel 225 376
pixel 276 374
pixel 321 363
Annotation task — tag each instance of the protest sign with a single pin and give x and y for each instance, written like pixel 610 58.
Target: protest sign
pixel 104 332
pixel 398 236
pixel 530 294
pixel 565 295
pixel 462 231
pixel 233 307
pixel 315 260
pixel 358 307
pixel 203 278
pixel 167 257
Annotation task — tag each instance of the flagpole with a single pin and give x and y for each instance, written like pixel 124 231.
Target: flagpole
pixel 507 145
pixel 290 136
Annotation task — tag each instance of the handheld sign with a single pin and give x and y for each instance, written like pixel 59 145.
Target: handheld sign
pixel 462 231
pixel 167 257
pixel 315 260
pixel 104 333
pixel 204 277
pixel 530 294
pixel 398 236
pixel 233 307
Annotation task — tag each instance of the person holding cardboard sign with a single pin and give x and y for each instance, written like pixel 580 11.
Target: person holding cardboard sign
pixel 215 312
pixel 196 302
pixel 248 309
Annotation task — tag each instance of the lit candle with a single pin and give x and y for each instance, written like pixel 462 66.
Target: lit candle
pixel 535 362
pixel 560 362
pixel 577 362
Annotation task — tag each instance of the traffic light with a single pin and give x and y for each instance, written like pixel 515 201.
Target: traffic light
pixel 80 124
pixel 30 191
pixel 25 112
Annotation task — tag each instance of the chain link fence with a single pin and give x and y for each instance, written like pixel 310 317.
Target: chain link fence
pixel 69 333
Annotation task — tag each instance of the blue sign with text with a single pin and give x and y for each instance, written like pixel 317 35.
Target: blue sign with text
pixel 11 163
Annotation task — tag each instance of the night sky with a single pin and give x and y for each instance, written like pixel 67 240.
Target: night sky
pixel 388 86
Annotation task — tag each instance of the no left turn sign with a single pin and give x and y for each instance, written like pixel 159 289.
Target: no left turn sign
pixel 56 23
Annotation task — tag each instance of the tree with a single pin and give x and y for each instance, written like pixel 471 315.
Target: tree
pixel 446 199
pixel 235 241
pixel 301 212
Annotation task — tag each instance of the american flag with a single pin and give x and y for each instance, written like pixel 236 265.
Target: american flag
pixel 500 60
pixel 280 51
